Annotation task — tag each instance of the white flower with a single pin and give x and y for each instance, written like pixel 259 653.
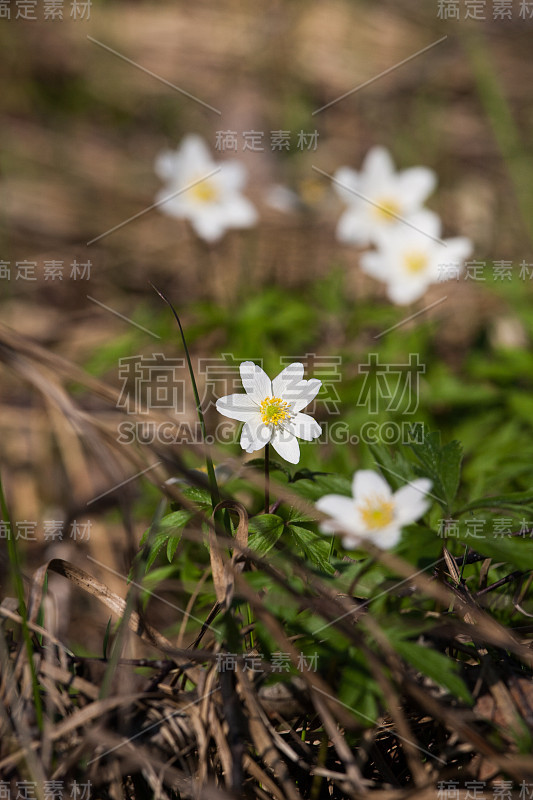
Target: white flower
pixel 374 512
pixel 271 410
pixel 378 195
pixel 411 257
pixel 204 192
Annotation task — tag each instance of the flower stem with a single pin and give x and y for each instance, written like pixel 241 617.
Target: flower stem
pixel 213 486
pixel 267 478
pixel 331 549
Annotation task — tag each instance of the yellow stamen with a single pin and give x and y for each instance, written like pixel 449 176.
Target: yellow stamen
pixel 415 262
pixel 377 512
pixel 274 410
pixel 387 209
pixel 204 192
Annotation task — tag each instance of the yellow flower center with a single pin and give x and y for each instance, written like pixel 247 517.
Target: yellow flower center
pixel 387 209
pixel 415 262
pixel 204 192
pixel 377 512
pixel 274 410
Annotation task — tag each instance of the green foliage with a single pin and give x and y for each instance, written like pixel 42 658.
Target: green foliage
pixel 168 534
pixel 437 666
pixel 265 531
pixel 440 463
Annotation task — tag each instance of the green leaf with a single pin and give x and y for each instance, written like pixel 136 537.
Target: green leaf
pixel 451 457
pixel 437 666
pixel 515 500
pixel 200 497
pixel 172 546
pixel 320 485
pixel 395 467
pixel 265 530
pixel 509 549
pixel 362 577
pixel 442 464
pixel 313 546
pixel 259 463
pixel 294 515
pixel 168 533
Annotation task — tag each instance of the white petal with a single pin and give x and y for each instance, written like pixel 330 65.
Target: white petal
pixel 424 222
pixel 407 291
pixel 238 212
pixel 237 406
pixel 352 542
pixel 458 249
pixel 346 183
pixel 304 393
pixel 255 381
pixel 368 482
pixel 165 165
pixel 386 537
pixel 416 184
pixel 376 264
pixel 255 435
pixel 287 380
pixel 378 165
pixel 305 427
pixel 411 502
pixel 286 445
pixel 340 509
pixel 352 228
pixel 171 204
pixel 329 527
pixel 208 226
pixel 195 154
pixel 232 176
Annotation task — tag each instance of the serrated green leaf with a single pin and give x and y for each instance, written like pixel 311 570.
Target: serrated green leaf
pixel 294 515
pixel 451 457
pixel 313 546
pixel 200 497
pixel 172 546
pixel 442 464
pixel 265 530
pixel 168 530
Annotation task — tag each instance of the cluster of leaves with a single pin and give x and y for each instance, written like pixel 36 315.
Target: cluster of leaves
pixel 284 540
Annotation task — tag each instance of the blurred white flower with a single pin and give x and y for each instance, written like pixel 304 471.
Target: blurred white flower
pixel 271 410
pixel 374 512
pixel 206 193
pixel 282 199
pixel 378 196
pixel 411 257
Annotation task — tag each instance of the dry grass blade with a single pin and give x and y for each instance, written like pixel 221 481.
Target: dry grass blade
pixel 223 572
pixel 263 741
pixel 98 590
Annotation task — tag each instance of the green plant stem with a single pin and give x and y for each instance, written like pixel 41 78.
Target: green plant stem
pixel 213 486
pixel 267 478
pixel 331 549
pixel 19 589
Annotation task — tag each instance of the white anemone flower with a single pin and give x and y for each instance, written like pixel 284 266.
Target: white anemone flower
pixel 378 196
pixel 373 513
pixel 411 257
pixel 206 193
pixel 271 410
